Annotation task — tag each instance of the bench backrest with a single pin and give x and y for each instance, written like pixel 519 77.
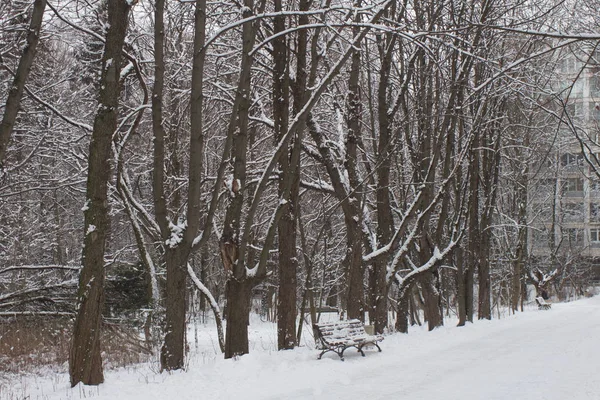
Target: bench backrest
pixel 332 331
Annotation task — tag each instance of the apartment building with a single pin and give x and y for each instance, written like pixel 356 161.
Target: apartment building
pixel 564 195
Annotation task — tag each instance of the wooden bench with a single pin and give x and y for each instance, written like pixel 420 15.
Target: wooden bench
pixel 338 336
pixel 542 305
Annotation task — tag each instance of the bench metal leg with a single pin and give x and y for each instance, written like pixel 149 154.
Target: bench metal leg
pixel 339 353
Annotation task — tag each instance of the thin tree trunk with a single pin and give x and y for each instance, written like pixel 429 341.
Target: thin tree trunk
pixel 353 219
pixel 85 362
pixel 177 254
pixel 491 167
pixel 521 252
pixel 239 285
pixel 474 236
pixel 288 260
pixel 385 219
pixel 16 90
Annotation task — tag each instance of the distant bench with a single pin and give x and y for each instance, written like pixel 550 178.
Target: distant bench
pixel 338 336
pixel 542 305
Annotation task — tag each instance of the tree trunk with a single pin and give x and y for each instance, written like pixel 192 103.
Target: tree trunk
pixel 403 310
pixel 172 354
pixel 491 172
pixel 85 363
pixel 385 219
pixel 16 90
pixel 238 309
pixel 521 251
pixel 474 236
pixel 177 254
pixel 288 260
pixel 234 260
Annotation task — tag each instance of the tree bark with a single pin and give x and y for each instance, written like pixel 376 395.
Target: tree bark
pixel 85 363
pixel 353 217
pixel 16 90
pixel 474 236
pixel 239 285
pixel 177 254
pixel 288 260
pixel 385 219
pixel 238 294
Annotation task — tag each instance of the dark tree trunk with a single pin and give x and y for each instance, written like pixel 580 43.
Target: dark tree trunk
pixel 491 171
pixel 385 219
pixel 403 310
pixel 177 254
pixel 474 237
pixel 461 293
pixel 238 309
pixel 353 217
pixel 484 311
pixel 288 261
pixel 172 355
pixel 239 285
pixel 521 251
pixel 431 291
pixel 85 363
pixel 16 90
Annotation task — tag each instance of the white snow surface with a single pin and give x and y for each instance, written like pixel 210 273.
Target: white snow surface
pixel 550 355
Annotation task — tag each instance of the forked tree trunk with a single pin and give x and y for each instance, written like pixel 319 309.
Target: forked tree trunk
pixel 85 362
pixel 177 256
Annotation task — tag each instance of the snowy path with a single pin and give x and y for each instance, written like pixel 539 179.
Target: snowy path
pixel 538 355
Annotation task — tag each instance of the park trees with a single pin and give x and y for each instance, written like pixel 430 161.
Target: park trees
pixel 406 132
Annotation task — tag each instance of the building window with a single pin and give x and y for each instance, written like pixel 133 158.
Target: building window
pixel 569 64
pixel 594 86
pixel 594 212
pixel 574 236
pixel 573 212
pixel 569 160
pixel 574 185
pixel 595 235
pixel 594 111
pixel 539 237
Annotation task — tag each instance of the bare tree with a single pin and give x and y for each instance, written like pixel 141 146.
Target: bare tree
pixel 16 91
pixel 85 363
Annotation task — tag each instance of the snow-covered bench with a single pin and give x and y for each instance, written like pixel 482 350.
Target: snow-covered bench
pixel 338 336
pixel 542 305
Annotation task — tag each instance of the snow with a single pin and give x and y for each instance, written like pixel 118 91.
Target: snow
pixel 549 355
pixel 176 233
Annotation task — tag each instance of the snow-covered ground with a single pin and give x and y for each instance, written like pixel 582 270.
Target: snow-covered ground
pixel 533 355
